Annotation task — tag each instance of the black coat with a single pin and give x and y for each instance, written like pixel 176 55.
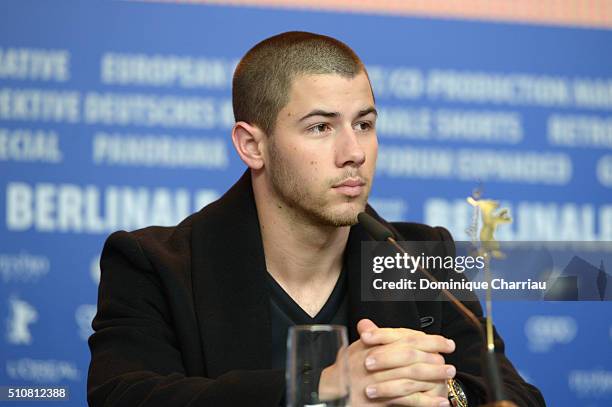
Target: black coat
pixel 183 315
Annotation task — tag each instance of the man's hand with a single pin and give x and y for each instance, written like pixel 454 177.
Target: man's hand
pixel 406 366
pixel 396 366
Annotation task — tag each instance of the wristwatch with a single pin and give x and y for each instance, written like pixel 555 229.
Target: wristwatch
pixel 456 395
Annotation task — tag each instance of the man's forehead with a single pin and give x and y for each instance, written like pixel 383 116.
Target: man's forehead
pixel 320 89
pixel 308 79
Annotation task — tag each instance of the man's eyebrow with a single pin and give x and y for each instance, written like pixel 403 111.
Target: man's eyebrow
pixel 319 112
pixel 367 111
pixel 324 113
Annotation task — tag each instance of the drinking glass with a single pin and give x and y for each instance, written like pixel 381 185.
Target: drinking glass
pixel 313 351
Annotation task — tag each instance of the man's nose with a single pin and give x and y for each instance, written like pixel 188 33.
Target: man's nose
pixel 349 150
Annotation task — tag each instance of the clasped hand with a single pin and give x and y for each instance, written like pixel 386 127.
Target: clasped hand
pixel 396 366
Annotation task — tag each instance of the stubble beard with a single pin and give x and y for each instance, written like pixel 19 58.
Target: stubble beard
pixel 308 206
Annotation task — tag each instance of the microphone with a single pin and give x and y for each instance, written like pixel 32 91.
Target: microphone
pixel 377 230
pixel 380 232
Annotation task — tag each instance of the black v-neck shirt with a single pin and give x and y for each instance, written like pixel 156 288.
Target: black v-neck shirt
pixel 285 312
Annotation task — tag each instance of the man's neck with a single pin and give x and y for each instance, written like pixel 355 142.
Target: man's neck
pixel 300 254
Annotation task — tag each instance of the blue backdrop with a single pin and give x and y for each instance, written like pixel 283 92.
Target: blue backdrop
pixel 117 115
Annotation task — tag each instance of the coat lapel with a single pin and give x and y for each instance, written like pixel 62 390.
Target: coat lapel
pixel 230 289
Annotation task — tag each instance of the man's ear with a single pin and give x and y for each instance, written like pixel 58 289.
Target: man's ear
pixel 249 141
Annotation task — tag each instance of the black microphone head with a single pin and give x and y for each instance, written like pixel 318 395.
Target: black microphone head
pixel 377 230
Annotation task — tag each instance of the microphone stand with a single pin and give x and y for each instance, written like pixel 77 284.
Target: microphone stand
pixel 493 378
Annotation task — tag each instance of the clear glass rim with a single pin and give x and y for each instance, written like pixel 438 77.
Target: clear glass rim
pixel 317 328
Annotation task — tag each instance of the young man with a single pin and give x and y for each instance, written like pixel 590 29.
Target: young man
pixel 197 314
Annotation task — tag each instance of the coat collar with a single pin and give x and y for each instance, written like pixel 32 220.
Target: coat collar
pixel 231 292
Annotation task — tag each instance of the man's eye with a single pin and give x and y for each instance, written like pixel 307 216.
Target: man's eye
pixel 319 128
pixel 363 126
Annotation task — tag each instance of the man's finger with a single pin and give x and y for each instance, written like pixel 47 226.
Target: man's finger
pixel 420 340
pixel 399 354
pixel 419 400
pixel 397 388
pixel 382 336
pixel 417 372
pixel 427 372
pixel 365 325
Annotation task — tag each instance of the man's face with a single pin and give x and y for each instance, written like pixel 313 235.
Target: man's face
pixel 322 155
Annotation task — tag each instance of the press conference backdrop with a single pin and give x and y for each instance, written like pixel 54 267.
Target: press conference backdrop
pixel 117 115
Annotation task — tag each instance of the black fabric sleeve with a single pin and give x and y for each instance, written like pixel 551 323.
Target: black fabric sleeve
pixel 136 357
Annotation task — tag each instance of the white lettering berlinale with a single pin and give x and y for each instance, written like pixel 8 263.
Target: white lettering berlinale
pixel 533 221
pixel 47 207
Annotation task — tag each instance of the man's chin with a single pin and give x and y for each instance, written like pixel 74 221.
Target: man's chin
pixel 342 221
pixel 345 216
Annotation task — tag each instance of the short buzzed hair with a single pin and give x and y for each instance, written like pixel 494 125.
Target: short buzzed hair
pixel 263 77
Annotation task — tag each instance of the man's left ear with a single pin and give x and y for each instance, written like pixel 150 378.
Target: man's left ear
pixel 247 140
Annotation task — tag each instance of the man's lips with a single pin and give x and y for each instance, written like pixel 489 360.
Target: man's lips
pixel 350 187
pixel 350 182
